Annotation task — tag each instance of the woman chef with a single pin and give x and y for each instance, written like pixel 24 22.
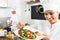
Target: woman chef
pixel 51 13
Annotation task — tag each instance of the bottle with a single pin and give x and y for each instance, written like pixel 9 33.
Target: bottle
pixel 9 35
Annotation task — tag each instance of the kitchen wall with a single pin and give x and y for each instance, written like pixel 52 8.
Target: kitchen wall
pixel 26 16
pixel 22 10
pixel 12 4
pixel 6 11
pixel 18 5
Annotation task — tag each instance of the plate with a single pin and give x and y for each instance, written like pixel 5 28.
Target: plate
pixel 29 28
pixel 16 33
pixel 32 29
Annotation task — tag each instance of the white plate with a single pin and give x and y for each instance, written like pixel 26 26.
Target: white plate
pixel 29 28
pixel 16 33
pixel 32 29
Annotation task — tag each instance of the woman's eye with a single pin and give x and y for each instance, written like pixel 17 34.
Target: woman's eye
pixel 51 13
pixel 45 14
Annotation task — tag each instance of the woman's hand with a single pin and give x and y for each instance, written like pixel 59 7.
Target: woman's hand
pixel 46 37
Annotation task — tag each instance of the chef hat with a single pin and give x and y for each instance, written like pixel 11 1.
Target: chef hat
pixel 52 6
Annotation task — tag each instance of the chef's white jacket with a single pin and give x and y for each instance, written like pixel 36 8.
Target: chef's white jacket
pixel 14 19
pixel 53 30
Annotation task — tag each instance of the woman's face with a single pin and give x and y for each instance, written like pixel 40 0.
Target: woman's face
pixel 51 16
pixel 13 12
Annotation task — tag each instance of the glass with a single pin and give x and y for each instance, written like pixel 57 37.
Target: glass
pixel 5 32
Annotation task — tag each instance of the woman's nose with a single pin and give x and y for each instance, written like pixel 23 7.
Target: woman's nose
pixel 48 16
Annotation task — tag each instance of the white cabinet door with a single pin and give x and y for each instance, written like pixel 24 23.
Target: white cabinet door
pixel 3 3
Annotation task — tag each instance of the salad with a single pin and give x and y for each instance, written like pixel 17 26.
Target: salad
pixel 27 34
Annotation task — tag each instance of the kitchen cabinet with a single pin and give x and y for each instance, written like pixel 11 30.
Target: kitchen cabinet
pixel 3 3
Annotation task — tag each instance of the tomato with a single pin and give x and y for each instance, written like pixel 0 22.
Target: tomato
pixel 29 34
pixel 19 32
pixel 29 31
pixel 37 33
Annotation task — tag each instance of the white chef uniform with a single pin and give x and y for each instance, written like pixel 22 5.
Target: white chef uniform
pixel 55 31
pixel 52 30
pixel 15 20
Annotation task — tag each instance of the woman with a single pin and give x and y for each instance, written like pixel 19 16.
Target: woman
pixel 51 13
pixel 15 21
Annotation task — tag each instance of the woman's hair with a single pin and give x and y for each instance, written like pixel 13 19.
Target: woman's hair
pixel 59 15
